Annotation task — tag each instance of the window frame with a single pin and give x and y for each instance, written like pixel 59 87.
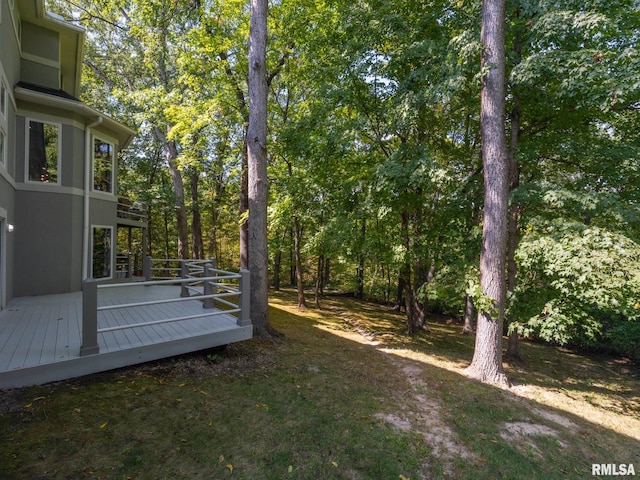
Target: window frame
pixel 3 147
pixel 4 99
pixel 4 118
pixel 98 138
pixel 93 253
pixel 27 152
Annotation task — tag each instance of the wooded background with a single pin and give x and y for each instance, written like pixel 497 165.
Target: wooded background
pixel 375 169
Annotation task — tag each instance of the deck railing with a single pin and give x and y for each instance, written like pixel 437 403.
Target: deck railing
pixel 199 281
pixel 131 210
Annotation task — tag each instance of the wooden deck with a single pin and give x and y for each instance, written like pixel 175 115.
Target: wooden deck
pixel 40 337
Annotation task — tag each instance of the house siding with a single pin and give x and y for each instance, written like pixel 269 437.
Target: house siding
pixel 8 207
pixel 44 252
pixel 10 73
pixel 10 51
pixel 41 56
pixel 48 236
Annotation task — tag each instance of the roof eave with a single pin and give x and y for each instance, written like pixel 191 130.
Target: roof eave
pixel 124 133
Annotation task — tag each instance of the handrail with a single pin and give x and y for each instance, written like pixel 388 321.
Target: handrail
pixel 171 281
pixel 158 302
pixel 125 208
pixel 208 294
pixel 168 320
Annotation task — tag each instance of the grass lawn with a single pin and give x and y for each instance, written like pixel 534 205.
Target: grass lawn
pixel 344 394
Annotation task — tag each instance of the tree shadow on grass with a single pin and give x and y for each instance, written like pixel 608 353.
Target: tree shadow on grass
pixel 340 396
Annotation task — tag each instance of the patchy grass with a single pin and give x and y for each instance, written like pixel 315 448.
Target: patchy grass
pixel 343 395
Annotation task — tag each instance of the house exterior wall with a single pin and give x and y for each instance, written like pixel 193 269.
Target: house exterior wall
pixel 48 225
pixel 49 218
pixel 44 252
pixel 40 56
pixel 9 74
pixel 7 242
pixel 48 236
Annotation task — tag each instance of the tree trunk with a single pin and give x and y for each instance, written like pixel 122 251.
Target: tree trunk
pixel 513 345
pixel 297 241
pixel 487 358
pixel 257 171
pixel 217 189
pixel 469 313
pixel 327 270
pixel 170 153
pixel 197 244
pixel 243 208
pixel 167 246
pixel 292 260
pixel 399 293
pixel 411 306
pixel 277 261
pixel 361 259
pixel 319 280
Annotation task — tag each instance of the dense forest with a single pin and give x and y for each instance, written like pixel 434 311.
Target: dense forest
pixel 375 161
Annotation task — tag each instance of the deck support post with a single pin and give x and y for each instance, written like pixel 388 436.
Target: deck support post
pixel 89 344
pixel 146 267
pixel 209 289
pixel 244 317
pixel 184 273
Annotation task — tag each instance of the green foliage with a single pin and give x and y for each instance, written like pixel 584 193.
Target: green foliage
pixel 625 338
pixel 374 142
pixel 577 280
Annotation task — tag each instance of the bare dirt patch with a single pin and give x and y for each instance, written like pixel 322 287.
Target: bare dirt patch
pixel 523 435
pixel 420 414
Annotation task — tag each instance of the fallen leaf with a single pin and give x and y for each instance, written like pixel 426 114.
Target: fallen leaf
pixel 402 477
pixel 221 459
pixel 104 424
pixel 28 405
pixel 230 467
pixel 290 469
pixel 335 464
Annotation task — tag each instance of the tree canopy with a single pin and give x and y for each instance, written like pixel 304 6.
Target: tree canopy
pixel 375 166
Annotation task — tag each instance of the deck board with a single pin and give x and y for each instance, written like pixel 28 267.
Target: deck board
pixel 40 337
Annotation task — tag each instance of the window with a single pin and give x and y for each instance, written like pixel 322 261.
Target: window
pixel 4 99
pixel 101 248
pixel 43 140
pixel 3 147
pixel 103 154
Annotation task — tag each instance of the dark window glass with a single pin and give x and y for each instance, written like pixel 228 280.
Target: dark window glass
pixel 44 140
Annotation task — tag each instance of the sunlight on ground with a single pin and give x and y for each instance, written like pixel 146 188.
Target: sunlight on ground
pixel 570 402
pixel 565 400
pixel 604 410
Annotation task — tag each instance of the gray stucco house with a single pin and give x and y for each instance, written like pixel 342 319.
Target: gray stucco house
pixel 59 207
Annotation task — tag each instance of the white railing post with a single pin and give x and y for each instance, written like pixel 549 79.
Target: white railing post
pixel 89 344
pixel 244 317
pixel 209 289
pixel 184 273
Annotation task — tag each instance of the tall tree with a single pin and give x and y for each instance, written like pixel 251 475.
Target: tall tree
pixel 487 358
pixel 257 171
